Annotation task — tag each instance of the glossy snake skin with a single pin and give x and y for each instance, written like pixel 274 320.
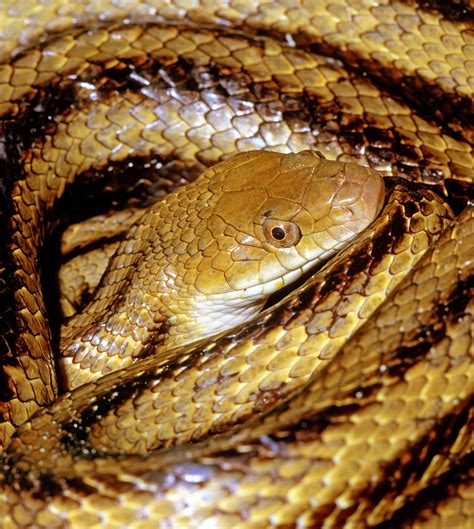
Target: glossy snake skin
pixel 346 404
pixel 204 259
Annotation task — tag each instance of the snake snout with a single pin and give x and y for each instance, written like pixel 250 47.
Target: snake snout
pixel 361 196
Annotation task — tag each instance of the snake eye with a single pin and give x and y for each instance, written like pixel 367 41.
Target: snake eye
pixel 281 233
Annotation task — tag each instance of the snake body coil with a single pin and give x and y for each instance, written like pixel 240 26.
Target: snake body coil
pixel 346 404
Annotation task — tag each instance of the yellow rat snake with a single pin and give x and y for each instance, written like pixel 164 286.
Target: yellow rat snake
pixel 348 403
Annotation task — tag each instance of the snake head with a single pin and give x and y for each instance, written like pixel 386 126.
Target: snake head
pixel 286 212
pixel 266 219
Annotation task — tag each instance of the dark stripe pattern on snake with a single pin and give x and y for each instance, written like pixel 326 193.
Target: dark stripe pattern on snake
pixel 343 400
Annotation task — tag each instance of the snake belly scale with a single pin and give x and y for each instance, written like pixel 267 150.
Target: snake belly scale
pixel 348 403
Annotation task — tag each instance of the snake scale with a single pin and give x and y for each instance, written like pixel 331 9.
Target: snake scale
pixel 346 404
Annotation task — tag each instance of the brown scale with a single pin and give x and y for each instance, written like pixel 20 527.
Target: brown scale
pixel 398 392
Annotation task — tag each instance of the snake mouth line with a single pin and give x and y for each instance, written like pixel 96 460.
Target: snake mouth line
pixel 306 272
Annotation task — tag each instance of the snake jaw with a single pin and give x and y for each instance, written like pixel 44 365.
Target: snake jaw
pixel 217 313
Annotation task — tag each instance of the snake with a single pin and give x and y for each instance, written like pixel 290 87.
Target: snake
pixel 347 401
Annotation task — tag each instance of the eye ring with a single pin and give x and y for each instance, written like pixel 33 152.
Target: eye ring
pixel 281 233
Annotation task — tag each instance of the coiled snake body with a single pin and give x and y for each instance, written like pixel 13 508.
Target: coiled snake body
pixel 346 404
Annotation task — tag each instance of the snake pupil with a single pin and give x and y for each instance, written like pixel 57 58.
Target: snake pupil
pixel 278 234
